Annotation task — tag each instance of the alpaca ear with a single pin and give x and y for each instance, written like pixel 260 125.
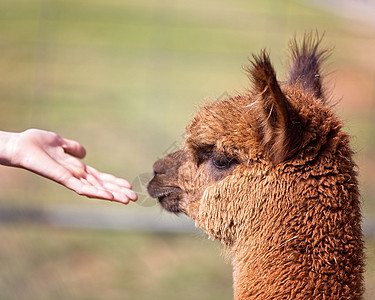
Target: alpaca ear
pixel 280 124
pixel 306 62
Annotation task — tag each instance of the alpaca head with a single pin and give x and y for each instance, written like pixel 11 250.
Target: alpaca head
pixel 244 156
pixel 270 174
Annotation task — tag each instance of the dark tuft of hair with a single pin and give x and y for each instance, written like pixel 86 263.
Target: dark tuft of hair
pixel 307 60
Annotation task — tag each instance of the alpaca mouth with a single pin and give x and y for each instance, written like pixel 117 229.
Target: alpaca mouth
pixel 168 196
pixel 161 192
pixel 171 202
pixel 156 190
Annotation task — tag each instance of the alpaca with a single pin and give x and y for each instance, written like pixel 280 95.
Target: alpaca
pixel 270 174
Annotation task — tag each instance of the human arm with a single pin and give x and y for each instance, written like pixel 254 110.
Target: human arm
pixel 56 158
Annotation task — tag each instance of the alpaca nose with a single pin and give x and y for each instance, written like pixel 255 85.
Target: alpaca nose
pixel 158 167
pixel 168 164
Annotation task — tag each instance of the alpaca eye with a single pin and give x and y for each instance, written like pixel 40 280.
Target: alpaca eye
pixel 222 162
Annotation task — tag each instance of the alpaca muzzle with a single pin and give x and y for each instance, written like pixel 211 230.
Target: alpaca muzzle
pixel 164 184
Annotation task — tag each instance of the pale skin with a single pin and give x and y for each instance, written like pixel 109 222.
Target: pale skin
pixel 49 155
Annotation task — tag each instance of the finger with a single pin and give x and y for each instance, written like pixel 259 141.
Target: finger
pixel 76 167
pixel 116 190
pixel 91 186
pixel 104 177
pixel 73 148
pixel 91 179
pixel 84 189
pixel 131 194
pixel 122 198
pixel 119 192
pixel 94 192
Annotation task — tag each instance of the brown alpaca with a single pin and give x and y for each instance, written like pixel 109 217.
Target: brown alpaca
pixel 270 174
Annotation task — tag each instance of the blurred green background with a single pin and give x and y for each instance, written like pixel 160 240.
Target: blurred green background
pixel 124 78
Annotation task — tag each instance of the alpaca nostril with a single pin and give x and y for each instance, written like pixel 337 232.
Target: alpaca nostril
pixel 154 172
pixel 168 165
pixel 157 169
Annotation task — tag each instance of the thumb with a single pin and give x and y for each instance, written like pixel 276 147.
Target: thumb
pixel 73 148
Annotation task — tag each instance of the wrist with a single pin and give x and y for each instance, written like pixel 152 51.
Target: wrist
pixel 7 143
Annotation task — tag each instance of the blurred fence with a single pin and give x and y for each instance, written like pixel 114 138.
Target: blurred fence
pixel 145 220
pixel 80 217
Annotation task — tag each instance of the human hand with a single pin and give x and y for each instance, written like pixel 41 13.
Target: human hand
pixel 49 155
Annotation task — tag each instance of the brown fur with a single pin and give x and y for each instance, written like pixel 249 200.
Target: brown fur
pixel 270 174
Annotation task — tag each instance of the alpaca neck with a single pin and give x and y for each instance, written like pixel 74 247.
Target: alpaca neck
pixel 279 266
pixel 259 272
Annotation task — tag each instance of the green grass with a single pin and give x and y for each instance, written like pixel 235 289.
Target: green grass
pixel 46 263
